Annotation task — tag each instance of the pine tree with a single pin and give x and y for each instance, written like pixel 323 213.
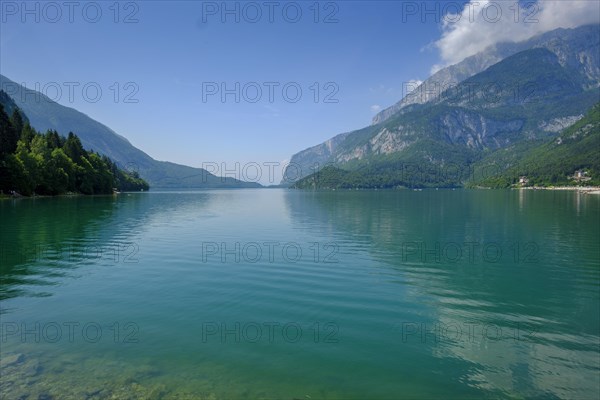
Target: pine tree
pixel 73 148
pixel 8 134
pixel 17 121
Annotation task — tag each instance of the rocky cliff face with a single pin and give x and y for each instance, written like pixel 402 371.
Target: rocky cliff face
pixel 310 160
pixel 476 131
pixel 455 127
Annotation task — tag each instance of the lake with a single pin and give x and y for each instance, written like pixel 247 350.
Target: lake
pixel 282 294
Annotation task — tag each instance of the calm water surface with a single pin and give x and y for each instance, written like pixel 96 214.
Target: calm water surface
pixel 275 294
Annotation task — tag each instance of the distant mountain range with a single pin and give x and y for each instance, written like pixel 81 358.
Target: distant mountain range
pixel 472 123
pixel 515 96
pixel 44 114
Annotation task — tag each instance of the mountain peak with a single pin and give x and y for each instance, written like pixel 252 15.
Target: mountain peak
pixel 582 44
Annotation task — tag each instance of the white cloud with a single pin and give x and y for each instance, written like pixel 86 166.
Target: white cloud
pixel 375 107
pixel 436 68
pixel 483 23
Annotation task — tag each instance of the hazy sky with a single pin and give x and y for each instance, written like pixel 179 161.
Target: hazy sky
pixel 162 66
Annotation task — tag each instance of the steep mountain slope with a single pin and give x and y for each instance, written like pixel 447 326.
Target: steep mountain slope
pixel 46 114
pixel 532 94
pixel 576 48
pixel 554 162
pixel 10 106
pixel 437 144
pixel 577 55
pixel 542 162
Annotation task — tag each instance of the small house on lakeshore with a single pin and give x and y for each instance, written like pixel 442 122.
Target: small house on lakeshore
pixel 581 176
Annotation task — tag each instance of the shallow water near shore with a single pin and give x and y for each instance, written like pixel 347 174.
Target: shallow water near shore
pixel 278 294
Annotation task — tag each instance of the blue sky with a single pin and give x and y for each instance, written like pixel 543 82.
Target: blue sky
pixel 172 53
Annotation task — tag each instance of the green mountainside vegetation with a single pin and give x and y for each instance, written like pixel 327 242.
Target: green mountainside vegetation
pixel 32 163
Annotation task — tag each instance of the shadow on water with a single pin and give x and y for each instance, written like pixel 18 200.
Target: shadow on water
pixel 47 238
pixel 32 241
pixel 44 239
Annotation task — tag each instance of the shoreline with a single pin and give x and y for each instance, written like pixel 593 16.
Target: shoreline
pixel 582 189
pixel 48 196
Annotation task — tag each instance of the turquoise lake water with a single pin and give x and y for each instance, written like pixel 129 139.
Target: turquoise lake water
pixel 281 294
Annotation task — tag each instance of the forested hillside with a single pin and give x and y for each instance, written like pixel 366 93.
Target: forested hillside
pixel 50 164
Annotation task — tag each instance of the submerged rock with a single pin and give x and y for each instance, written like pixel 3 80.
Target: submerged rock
pixel 12 359
pixel 33 369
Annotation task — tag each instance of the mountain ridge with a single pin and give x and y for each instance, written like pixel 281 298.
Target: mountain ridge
pixel 456 115
pixel 555 40
pixel 45 114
